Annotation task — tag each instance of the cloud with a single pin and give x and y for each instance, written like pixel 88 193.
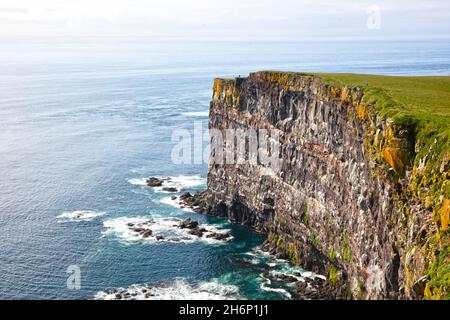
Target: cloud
pixel 202 17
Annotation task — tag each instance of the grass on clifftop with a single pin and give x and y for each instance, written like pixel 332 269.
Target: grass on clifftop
pixel 422 98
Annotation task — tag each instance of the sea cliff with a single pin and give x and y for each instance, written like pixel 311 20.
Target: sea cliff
pixel 362 194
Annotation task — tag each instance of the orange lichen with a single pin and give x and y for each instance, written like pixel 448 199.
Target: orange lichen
pixel 393 156
pixel 346 95
pixel 444 214
pixel 217 87
pixel 361 111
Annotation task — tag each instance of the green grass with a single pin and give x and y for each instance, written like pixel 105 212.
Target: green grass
pixel 421 98
pixel 440 276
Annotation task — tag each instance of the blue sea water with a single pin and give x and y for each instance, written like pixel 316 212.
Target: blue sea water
pixel 81 118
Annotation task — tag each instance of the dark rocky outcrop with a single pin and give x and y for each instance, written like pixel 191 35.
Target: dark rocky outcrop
pixel 189 224
pixel 197 202
pixel 170 189
pixel 154 182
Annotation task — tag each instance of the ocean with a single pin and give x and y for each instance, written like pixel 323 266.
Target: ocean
pixel 83 122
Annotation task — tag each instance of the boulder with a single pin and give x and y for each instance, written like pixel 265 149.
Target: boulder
pixel 170 189
pixel 188 224
pixel 285 278
pixel 218 236
pixel 154 182
pixel 185 196
pixel 196 232
pixel 147 233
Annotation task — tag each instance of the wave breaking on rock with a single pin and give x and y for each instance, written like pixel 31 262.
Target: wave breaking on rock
pixel 173 230
pixel 80 215
pixel 179 289
pixel 170 184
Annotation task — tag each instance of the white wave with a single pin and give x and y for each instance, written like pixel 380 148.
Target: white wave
pixel 296 272
pixel 179 289
pixel 297 275
pixel 196 114
pixel 312 275
pixel 80 215
pixel 284 266
pixel 130 230
pixel 181 182
pixel 120 227
pixel 138 181
pixel 177 182
pixel 258 252
pixel 265 287
pixel 175 203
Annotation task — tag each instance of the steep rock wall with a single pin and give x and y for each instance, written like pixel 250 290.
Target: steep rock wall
pixel 337 205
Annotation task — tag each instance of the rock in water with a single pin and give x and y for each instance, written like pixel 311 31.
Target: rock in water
pixel 188 224
pixel 170 189
pixel 197 202
pixel 147 233
pixel 185 196
pixel 154 182
pixel 219 236
pixel 196 232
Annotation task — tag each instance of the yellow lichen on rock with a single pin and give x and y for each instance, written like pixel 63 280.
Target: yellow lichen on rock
pixel 427 292
pixel 393 152
pixel 336 92
pixel 393 156
pixel 229 94
pixel 444 214
pixel 361 111
pixel 217 88
pixel 345 95
pixel 226 90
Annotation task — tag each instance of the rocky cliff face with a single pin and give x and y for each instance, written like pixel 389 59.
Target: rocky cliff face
pixel 339 204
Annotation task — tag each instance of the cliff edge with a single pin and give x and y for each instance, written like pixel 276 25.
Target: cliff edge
pixel 362 194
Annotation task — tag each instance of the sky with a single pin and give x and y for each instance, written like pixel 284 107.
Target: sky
pixel 226 19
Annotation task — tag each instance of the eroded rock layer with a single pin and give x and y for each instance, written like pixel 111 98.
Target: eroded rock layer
pixel 339 204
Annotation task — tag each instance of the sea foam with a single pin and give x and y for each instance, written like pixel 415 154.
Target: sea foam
pixel 175 203
pixel 80 215
pixel 179 289
pixel 178 182
pixel 130 230
pixel 278 269
pixel 265 287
